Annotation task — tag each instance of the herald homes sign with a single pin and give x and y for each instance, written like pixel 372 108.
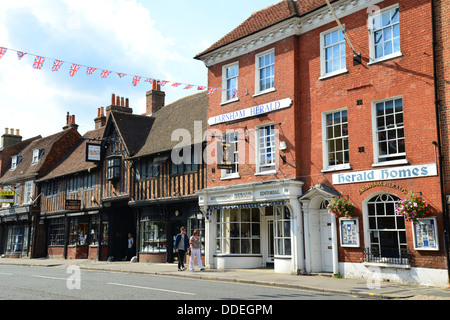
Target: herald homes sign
pixel 408 172
pixel 251 112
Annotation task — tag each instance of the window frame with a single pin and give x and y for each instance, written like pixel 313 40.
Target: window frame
pixel 372 51
pixel 258 68
pixel 227 93
pixel 375 133
pixel 28 192
pixel 114 168
pixel 230 174
pixel 325 140
pixel 271 170
pixel 323 69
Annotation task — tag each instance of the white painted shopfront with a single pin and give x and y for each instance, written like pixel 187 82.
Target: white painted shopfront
pixel 254 225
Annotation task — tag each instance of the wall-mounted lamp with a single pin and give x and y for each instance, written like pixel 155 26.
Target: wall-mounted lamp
pixel 283 146
pixel 94 200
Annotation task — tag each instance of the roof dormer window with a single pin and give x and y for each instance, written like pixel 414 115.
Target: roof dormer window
pixel 15 162
pixel 37 154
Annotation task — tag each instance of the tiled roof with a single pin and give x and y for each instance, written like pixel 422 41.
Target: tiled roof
pixel 75 161
pixel 181 114
pixel 25 168
pixel 265 18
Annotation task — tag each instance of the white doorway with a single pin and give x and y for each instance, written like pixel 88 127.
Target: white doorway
pixel 321 241
pixel 268 240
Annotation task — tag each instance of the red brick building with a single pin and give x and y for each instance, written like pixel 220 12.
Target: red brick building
pixel 321 112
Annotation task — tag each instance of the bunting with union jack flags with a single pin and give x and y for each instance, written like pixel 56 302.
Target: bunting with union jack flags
pixel 38 63
pixel 57 64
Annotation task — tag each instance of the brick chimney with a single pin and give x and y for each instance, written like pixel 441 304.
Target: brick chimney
pixel 100 121
pixel 9 138
pixel 155 99
pixel 70 122
pixel 118 104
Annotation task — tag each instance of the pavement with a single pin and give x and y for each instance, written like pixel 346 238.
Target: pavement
pixel 266 277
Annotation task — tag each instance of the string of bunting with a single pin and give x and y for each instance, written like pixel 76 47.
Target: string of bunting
pixel 104 74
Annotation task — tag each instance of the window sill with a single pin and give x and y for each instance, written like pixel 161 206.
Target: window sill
pixel 229 101
pixel 337 168
pixel 264 92
pixel 231 176
pixel 390 163
pixel 386 58
pixel 333 74
pixel 266 173
pixel 386 265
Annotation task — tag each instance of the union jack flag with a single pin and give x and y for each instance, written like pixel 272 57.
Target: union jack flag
pixel 201 88
pixel 189 86
pixel 136 80
pixel 74 69
pixel 105 74
pixel 121 75
pixel 211 90
pixel 2 52
pixel 20 54
pixel 163 83
pixel 235 93
pixel 38 63
pixel 90 71
pixel 176 84
pixel 149 80
pixel 57 65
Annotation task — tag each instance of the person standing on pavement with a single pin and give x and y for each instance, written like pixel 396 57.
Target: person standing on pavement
pixel 181 246
pixel 130 246
pixel 195 251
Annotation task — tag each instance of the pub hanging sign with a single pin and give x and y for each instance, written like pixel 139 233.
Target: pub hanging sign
pixel 225 156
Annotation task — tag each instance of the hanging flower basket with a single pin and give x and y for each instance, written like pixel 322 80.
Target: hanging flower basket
pixel 341 207
pixel 413 208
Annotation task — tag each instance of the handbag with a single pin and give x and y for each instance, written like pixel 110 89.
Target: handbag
pixel 189 251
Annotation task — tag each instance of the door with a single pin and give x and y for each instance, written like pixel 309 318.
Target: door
pixel 326 241
pixel 269 252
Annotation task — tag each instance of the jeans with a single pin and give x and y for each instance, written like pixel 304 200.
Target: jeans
pixel 181 254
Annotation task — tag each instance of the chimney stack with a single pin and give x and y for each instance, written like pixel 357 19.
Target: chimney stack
pixel 118 104
pixel 70 122
pixel 9 138
pixel 100 121
pixel 155 99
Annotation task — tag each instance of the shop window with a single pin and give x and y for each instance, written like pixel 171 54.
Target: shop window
pixel 282 235
pixel 113 170
pixel 153 236
pixel 17 239
pixel 386 231
pixel 239 231
pixel 78 231
pixel 56 232
pixel 197 222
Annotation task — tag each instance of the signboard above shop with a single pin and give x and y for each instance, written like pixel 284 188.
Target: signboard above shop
pixel 251 112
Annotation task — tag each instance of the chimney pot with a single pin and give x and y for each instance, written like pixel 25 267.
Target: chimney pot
pixel 17 132
pixel 127 103
pixel 11 131
pixel 113 99
pixel 118 101
pixel 122 102
pixel 6 130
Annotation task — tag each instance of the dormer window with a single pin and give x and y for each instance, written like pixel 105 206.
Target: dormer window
pixel 37 154
pixel 15 162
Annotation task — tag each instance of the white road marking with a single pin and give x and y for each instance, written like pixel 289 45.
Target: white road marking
pixel 6 274
pixel 154 289
pixel 52 278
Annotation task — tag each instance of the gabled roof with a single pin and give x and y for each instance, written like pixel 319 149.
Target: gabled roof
pixel 25 169
pixel 181 114
pixel 7 153
pixel 75 160
pixel 133 129
pixel 266 18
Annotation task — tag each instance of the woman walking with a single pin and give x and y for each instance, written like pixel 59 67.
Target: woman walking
pixel 181 245
pixel 195 251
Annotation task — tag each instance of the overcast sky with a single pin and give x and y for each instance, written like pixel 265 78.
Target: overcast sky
pixel 148 38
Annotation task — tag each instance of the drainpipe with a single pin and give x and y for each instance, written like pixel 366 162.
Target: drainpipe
pixel 439 142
